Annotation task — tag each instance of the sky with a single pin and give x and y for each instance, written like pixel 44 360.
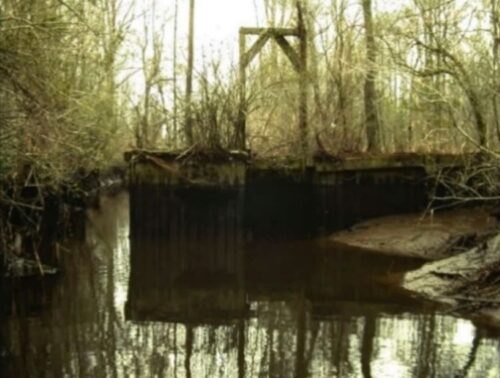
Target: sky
pixel 216 30
pixel 216 23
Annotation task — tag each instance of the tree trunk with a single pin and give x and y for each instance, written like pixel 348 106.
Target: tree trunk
pixel 495 29
pixel 371 117
pixel 174 73
pixel 189 76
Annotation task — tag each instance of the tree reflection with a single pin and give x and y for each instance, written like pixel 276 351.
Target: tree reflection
pixel 367 345
pixel 476 342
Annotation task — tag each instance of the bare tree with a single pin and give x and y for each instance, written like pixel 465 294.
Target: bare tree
pixel 495 31
pixel 189 75
pixel 174 71
pixel 370 93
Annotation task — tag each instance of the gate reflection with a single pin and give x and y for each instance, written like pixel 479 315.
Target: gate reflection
pixel 186 255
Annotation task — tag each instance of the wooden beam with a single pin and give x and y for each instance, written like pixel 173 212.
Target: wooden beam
pixel 299 62
pixel 257 46
pixel 276 31
pixel 289 52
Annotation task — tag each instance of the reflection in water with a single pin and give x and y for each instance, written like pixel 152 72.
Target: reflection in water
pixel 187 264
pixel 219 307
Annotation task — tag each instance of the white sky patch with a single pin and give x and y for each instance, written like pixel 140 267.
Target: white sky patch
pixel 389 6
pixel 218 22
pixel 216 28
pixel 464 333
pixel 216 42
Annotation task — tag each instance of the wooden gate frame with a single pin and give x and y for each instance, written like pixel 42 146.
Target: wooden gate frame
pixel 299 63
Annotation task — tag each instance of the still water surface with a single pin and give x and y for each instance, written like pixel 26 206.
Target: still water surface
pixel 135 304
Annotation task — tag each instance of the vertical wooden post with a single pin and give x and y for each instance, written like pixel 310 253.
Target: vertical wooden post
pixel 241 124
pixel 304 135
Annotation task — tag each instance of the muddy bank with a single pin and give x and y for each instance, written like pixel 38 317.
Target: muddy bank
pixel 468 282
pixel 429 236
pixel 463 247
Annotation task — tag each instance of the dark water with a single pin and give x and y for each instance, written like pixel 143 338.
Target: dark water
pixel 182 300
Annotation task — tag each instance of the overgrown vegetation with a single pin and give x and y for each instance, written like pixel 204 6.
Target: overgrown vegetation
pixel 60 108
pixel 61 113
pixel 426 71
pixel 80 82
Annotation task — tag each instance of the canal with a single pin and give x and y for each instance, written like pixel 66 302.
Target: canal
pixel 191 292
